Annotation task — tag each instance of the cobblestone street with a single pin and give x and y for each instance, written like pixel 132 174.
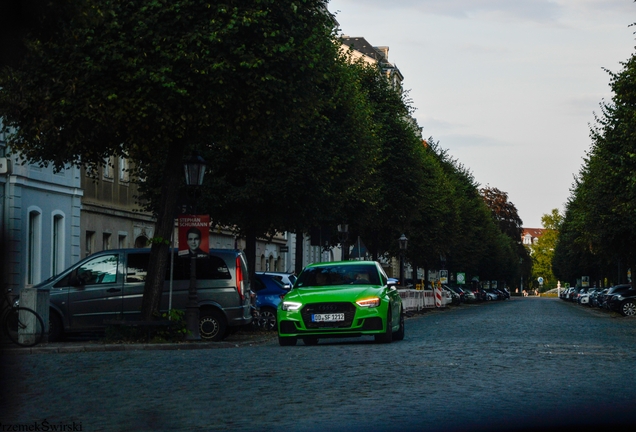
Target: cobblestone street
pixel 524 363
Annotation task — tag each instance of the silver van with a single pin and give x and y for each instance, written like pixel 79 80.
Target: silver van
pixel 109 285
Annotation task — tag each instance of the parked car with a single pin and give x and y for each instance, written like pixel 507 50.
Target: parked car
pixel 469 296
pixel 109 285
pixel 615 290
pixel 458 291
pixel 287 279
pixel 269 292
pixel 336 299
pixel 451 296
pixel 584 298
pixel 491 295
pixel 624 301
pixel 596 298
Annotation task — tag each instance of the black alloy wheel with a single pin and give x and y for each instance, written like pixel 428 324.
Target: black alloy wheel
pixel 387 336
pixel 628 308
pixel 399 335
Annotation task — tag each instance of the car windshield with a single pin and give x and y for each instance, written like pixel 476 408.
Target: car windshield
pixel 339 275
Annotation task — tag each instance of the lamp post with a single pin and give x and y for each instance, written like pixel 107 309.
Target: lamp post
pixel 403 242
pixel 521 271
pixel 343 235
pixel 194 171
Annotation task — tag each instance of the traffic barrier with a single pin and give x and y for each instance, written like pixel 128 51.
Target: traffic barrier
pixel 415 300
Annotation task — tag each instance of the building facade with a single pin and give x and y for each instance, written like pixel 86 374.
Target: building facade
pixel 40 217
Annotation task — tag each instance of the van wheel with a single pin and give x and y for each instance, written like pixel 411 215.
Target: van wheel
pixel 212 325
pixel 56 330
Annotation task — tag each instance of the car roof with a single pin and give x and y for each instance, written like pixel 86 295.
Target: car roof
pixel 341 263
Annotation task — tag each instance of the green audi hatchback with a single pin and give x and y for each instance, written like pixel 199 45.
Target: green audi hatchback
pixel 341 299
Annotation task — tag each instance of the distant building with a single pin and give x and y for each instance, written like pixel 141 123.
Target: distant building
pixel 362 49
pixel 531 235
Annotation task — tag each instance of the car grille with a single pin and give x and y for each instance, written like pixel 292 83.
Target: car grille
pixel 323 308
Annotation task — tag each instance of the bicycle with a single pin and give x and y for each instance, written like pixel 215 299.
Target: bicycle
pixel 23 326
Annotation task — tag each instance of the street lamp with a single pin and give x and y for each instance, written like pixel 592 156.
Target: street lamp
pixel 521 271
pixel 194 171
pixel 343 235
pixel 403 242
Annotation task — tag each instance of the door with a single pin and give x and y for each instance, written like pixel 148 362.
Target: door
pixel 95 292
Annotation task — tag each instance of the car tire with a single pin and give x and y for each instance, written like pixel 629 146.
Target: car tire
pixel 267 319
pixel 310 341
pixel 287 341
pixel 387 336
pixel 628 308
pixel 399 335
pixel 56 330
pixel 212 325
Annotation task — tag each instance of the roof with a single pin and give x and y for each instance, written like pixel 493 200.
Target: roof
pixel 533 232
pixel 360 44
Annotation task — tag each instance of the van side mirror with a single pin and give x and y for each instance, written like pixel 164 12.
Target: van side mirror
pixel 74 280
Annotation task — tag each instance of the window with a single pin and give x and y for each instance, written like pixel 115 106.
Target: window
pixel 137 268
pixel 108 168
pixel 90 242
pixel 57 246
pixel 101 270
pixel 34 244
pixel 210 267
pixel 121 243
pixel 105 241
pixel 123 169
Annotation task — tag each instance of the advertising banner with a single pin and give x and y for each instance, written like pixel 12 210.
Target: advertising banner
pixel 194 237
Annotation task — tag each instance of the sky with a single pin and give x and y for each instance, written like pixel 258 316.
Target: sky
pixel 508 87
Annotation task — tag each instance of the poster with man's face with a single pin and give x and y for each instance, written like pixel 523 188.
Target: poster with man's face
pixel 194 238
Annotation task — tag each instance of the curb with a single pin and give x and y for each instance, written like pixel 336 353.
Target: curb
pixel 68 348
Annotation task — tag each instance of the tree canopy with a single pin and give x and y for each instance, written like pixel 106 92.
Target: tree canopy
pixel 599 230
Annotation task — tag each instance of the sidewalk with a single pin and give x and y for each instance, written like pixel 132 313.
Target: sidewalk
pixel 236 340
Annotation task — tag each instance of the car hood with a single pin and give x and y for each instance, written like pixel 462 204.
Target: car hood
pixel 333 293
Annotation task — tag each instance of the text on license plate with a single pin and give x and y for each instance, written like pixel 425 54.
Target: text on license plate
pixel 328 317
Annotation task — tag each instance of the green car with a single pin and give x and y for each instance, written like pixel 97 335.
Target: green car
pixel 341 299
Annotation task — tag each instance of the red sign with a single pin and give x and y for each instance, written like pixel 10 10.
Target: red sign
pixel 194 236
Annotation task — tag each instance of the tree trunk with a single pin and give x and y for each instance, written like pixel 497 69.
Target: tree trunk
pixel 158 261
pixel 299 252
pixel 250 253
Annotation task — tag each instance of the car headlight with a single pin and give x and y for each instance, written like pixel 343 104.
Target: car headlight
pixel 619 297
pixel 290 306
pixel 369 302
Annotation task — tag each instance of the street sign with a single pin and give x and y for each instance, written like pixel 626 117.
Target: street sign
pixel 443 276
pixel 461 278
pixel 540 280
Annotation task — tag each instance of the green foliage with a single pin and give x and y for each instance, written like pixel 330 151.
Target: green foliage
pixel 599 231
pixel 543 252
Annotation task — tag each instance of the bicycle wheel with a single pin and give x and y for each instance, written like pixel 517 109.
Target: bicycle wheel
pixel 24 326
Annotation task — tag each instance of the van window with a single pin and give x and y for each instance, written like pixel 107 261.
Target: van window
pixel 100 270
pixel 137 267
pixel 210 267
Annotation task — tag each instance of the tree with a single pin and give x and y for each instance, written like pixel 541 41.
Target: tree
pixel 600 226
pixel 543 251
pixel 154 80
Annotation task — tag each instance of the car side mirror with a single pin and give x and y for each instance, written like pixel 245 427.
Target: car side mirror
pixel 75 281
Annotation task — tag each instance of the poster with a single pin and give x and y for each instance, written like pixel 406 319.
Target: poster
pixel 194 237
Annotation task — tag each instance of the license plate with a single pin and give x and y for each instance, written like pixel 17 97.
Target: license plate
pixel 328 317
